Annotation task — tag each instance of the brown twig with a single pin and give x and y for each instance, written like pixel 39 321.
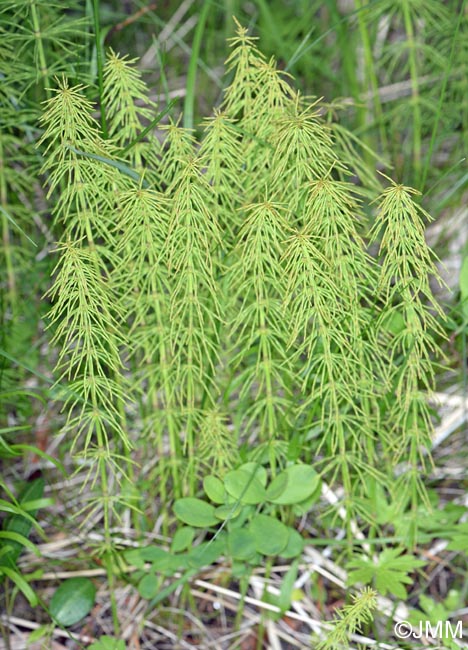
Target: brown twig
pixel 131 19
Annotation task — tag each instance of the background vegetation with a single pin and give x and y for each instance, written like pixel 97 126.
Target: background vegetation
pixel 221 327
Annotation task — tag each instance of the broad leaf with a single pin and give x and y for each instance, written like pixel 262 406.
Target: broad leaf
pixel 214 489
pixel 241 544
pixel 148 586
pixel 206 553
pixel 294 546
pixel 72 601
pixel 271 536
pixel 183 539
pixel 297 483
pixel 244 486
pixel 195 512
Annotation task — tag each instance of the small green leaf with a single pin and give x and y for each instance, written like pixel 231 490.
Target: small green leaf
pixel 161 560
pixel 241 518
pixel 38 634
pixel 241 544
pixel 228 511
pixel 271 536
pixel 183 539
pixel 72 601
pixel 301 482
pixel 259 472
pixel 277 486
pixel 214 489
pixel 19 539
pixel 287 586
pixel 153 554
pixel 459 538
pixel 389 571
pixel 303 507
pixel 240 570
pixel 244 486
pixel 133 557
pixel 394 322
pixel 195 512
pixel 294 546
pixel 22 518
pixel 148 586
pixel 206 553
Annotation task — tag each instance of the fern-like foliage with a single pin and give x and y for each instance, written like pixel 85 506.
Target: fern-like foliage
pixel 217 446
pixel 46 40
pixel 219 151
pixel 258 331
pixel 406 269
pixel 84 313
pixel 193 236
pixel 349 620
pixel 235 276
pixel 128 108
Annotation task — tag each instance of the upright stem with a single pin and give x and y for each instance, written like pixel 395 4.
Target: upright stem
pixel 414 91
pixel 40 47
pixel 193 65
pixel 271 419
pixel 107 520
pixel 100 65
pixel 168 406
pixel 7 250
pixel 371 77
pixel 102 443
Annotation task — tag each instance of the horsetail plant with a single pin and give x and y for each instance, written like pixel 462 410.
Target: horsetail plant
pixel 193 236
pixel 234 276
pixel 128 107
pixel 350 619
pixel 84 316
pixel 407 266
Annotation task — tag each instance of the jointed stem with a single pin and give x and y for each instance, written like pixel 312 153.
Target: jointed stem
pixel 40 47
pixel 100 65
pixel 417 125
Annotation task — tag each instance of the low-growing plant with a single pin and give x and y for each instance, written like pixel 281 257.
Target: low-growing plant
pixel 350 619
pixel 14 536
pixel 19 507
pixel 241 519
pixel 388 573
pixel 436 613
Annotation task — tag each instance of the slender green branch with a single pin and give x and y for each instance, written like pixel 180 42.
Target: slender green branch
pixel 441 102
pixel 100 65
pixel 149 128
pixel 415 96
pixel 193 66
pixel 40 47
